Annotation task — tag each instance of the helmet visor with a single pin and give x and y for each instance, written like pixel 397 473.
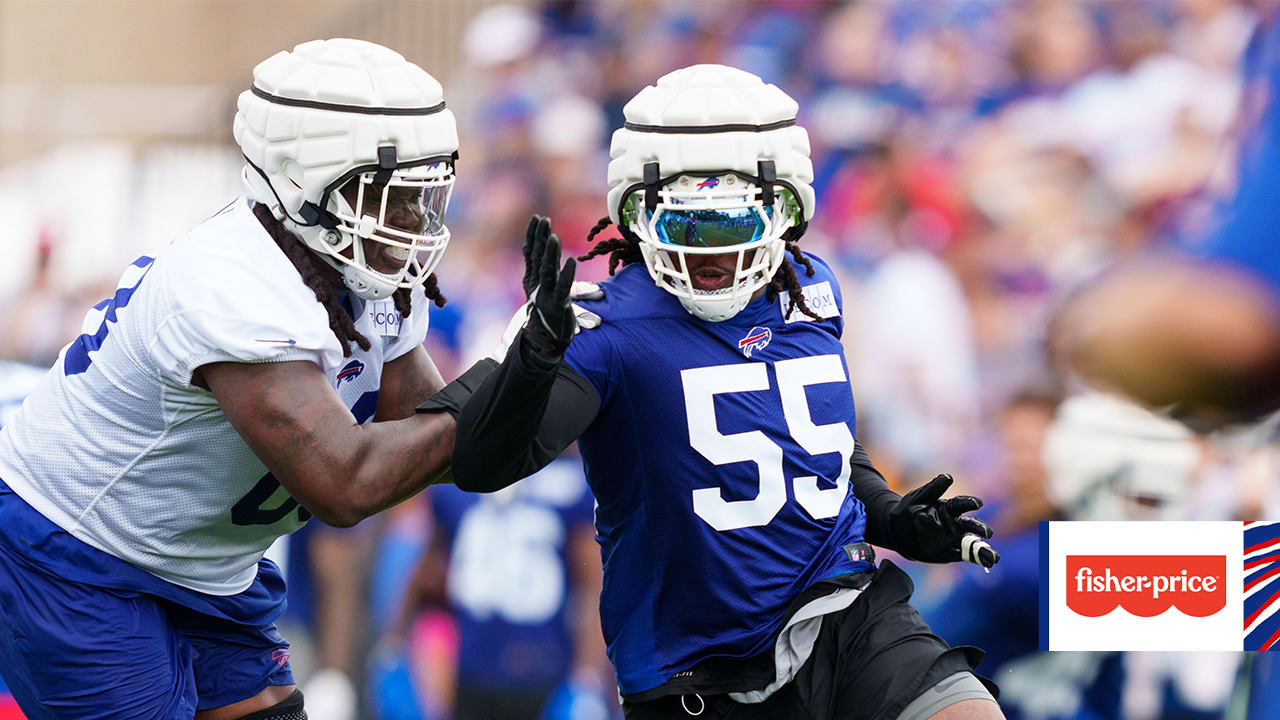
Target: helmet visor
pixel 410 204
pixel 711 227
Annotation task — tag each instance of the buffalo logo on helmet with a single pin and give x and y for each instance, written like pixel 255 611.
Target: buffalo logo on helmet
pixel 709 183
pixel 757 339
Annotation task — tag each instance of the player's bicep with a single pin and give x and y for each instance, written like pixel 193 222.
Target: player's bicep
pixel 288 414
pixel 406 383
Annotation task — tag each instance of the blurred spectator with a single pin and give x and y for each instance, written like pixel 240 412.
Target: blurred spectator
pixel 520 572
pixel 16 382
pixel 914 367
pixel 37 317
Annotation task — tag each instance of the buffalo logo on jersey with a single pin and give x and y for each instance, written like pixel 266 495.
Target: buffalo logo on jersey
pixel 757 339
pixel 350 371
pixel 280 656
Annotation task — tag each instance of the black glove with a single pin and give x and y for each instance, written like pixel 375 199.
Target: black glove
pixel 551 324
pixel 926 528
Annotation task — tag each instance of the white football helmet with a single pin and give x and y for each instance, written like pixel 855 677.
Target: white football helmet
pixel 711 161
pixel 1108 459
pixel 351 146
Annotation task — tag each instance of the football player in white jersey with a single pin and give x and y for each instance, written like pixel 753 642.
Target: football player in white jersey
pixel 222 396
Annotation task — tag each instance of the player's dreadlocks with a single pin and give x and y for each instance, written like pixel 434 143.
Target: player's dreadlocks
pixel 626 250
pixel 314 271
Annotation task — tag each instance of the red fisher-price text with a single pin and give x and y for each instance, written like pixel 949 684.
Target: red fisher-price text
pixel 1146 585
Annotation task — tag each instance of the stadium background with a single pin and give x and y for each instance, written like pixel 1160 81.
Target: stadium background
pixel 975 161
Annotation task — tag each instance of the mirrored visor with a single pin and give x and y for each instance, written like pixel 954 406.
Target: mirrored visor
pixel 710 227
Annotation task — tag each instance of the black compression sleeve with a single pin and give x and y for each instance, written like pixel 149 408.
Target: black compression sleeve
pixel 519 418
pixel 453 396
pixel 869 486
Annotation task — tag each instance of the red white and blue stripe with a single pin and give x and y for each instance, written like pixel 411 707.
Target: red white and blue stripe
pixel 1261 585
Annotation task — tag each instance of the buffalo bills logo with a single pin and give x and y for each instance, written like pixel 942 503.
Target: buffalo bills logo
pixel 757 339
pixel 351 371
pixel 280 656
pixel 709 183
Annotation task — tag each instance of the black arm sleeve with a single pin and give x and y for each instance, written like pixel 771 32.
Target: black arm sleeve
pixel 519 417
pixel 453 396
pixel 869 486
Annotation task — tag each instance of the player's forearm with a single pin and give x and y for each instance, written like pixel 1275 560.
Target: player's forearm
pixel 372 467
pixel 400 458
pixel 869 486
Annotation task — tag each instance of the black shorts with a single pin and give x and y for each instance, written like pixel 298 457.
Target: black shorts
pixel 869 662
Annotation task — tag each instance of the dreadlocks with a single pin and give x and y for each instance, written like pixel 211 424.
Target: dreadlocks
pixel 626 250
pixel 314 271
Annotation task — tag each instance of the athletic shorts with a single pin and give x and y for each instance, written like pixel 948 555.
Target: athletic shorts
pixel 71 649
pixel 869 661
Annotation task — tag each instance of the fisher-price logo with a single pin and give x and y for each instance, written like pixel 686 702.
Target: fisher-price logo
pixel 1128 585
pixel 1146 585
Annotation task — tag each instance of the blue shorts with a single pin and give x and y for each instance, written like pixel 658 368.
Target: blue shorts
pixel 135 648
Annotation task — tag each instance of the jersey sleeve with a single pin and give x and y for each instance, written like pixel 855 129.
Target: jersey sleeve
pixel 591 355
pixel 220 302
pixel 412 330
pixel 821 293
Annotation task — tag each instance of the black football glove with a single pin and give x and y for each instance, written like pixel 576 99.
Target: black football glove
pixel 926 528
pixel 535 241
pixel 551 323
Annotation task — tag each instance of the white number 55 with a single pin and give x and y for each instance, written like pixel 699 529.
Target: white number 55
pixel 701 385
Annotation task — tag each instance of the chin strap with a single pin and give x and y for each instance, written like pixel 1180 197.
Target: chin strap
pixel 386 166
pixel 312 214
pixel 651 177
pixel 768 177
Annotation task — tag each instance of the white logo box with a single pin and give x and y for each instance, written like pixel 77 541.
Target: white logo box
pixel 1063 629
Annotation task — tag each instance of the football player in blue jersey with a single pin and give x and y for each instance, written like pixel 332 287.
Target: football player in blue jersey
pixel 261 369
pixel 716 424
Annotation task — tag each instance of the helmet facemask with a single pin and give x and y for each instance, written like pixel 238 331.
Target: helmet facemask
pixel 716 214
pixel 398 235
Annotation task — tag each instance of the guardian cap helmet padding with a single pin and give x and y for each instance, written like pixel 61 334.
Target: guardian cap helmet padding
pixel 334 111
pixel 712 148
pixel 1109 459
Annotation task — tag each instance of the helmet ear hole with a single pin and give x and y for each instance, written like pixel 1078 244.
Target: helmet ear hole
pixel 292 172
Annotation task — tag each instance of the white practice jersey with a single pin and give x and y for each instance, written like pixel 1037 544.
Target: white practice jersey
pixel 117 447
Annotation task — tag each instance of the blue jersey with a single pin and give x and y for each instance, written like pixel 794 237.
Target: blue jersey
pixel 719 460
pixel 509 577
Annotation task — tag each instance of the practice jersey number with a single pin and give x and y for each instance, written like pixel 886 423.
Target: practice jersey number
pixel 77 359
pixel 701 385
pixel 506 562
pixel 262 505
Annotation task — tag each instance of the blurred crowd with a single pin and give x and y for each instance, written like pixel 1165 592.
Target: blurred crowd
pixel 974 161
